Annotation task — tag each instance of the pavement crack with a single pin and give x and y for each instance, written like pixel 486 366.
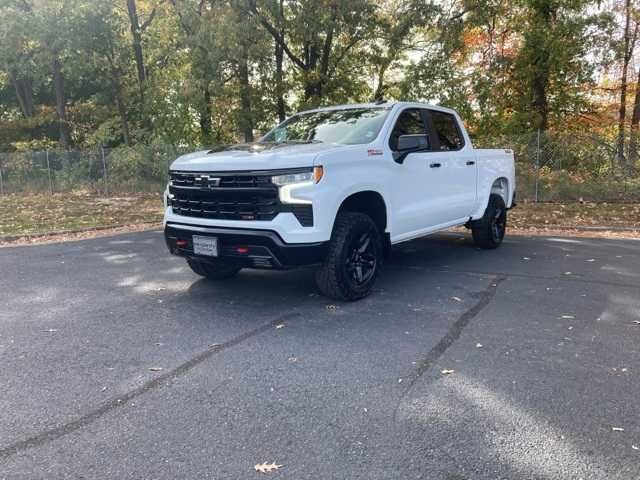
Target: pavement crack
pixel 454 332
pixel 121 400
pixel 564 278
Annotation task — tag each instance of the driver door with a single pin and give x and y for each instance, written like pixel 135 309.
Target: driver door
pixel 415 185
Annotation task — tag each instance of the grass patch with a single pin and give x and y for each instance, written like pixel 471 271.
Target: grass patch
pixel 626 215
pixel 40 214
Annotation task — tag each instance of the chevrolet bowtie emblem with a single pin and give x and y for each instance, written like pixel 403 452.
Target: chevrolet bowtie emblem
pixel 207 181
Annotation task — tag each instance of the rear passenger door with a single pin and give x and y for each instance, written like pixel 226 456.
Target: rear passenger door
pixel 459 169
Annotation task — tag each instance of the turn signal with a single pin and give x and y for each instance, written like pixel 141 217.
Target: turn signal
pixel 318 172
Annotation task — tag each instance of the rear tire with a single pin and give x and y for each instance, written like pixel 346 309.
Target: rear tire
pixel 213 269
pixel 353 259
pixel 488 232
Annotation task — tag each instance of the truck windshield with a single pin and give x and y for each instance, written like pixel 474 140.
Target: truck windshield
pixel 348 126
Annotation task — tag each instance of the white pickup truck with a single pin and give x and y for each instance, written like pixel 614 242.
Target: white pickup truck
pixel 336 187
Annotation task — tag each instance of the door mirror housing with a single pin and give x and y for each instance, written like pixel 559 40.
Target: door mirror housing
pixel 408 144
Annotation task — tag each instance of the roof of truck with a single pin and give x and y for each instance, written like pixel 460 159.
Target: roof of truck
pixel 383 104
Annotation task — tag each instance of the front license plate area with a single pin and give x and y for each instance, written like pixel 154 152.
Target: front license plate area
pixel 207 246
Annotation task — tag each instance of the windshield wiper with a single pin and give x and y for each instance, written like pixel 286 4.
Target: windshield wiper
pixel 298 142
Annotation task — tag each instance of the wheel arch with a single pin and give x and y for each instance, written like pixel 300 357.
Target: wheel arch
pixel 369 202
pixel 500 186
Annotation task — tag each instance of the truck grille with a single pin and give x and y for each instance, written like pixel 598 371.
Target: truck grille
pixel 231 196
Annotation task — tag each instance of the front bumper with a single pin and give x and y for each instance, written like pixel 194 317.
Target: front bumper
pixel 247 248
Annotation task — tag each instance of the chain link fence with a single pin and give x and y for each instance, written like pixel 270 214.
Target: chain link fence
pixel 561 167
pixel 567 167
pixel 103 171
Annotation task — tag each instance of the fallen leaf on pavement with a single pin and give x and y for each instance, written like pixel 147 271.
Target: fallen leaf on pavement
pixel 266 467
pixel 447 371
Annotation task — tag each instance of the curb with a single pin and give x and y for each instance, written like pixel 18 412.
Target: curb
pixel 580 228
pixel 32 236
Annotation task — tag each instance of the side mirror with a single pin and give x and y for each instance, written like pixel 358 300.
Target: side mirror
pixel 408 144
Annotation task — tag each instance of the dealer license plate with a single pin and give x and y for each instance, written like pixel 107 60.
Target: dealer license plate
pixel 205 246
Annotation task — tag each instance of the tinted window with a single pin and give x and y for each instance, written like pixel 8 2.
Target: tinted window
pixel 345 126
pixel 447 131
pixel 410 122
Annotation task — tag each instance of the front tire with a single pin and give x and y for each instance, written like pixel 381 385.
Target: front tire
pixel 213 269
pixel 353 259
pixel 488 232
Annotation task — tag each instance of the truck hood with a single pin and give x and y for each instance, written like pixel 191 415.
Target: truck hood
pixel 254 156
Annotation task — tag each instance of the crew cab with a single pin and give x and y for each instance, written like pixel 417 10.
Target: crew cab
pixel 336 187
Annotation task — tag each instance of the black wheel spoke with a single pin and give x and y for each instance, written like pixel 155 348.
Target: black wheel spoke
pixel 361 261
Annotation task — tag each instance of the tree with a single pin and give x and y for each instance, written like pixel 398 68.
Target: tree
pixel 52 21
pixel 106 49
pixel 628 44
pixel 310 39
pixel 17 52
pixel 396 23
pixel 552 67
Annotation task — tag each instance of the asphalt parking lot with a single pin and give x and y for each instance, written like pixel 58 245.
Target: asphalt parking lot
pixel 118 362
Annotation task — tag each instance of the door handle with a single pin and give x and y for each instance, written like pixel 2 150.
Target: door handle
pixel 471 162
pixel 435 165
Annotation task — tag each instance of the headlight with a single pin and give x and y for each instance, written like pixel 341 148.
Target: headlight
pixel 313 175
pixel 295 182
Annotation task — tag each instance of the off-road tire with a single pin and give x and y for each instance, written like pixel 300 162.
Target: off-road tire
pixel 337 278
pixel 213 269
pixel 489 231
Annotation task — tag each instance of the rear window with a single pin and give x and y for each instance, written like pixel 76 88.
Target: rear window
pixel 446 128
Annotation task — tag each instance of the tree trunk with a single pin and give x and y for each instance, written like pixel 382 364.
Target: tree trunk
pixel 23 88
pixel 205 115
pixel 540 104
pixel 246 117
pixel 635 130
pixel 280 104
pixel 622 111
pixel 380 87
pixel 279 56
pixel 122 110
pixel 61 112
pixel 545 12
pixel 136 35
pixel 124 123
pixel 134 24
